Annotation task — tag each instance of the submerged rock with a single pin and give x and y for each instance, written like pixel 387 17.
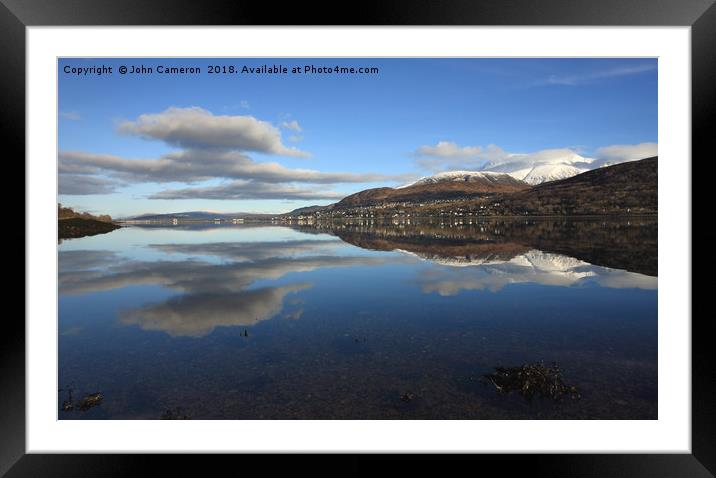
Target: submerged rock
pixel 530 380
pixel 89 401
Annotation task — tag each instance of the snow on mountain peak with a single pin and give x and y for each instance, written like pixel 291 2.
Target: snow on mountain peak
pixel 548 165
pixel 549 172
pixel 459 176
pixel 532 168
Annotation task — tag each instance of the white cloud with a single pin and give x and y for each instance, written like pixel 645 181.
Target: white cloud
pixel 193 165
pixel 210 295
pixel 197 128
pixel 448 149
pixel 292 125
pixel 198 315
pixel 236 190
pixel 240 251
pixel 212 147
pixel 73 184
pixel 620 153
pixel 574 80
pixel 448 156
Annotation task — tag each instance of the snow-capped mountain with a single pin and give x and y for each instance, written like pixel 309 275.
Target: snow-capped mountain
pixel 492 177
pixel 549 172
pixel 443 186
pixel 507 173
pixel 549 165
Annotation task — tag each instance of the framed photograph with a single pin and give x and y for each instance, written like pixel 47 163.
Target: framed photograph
pixel 427 229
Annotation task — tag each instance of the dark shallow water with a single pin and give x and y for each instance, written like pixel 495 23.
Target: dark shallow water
pixel 345 319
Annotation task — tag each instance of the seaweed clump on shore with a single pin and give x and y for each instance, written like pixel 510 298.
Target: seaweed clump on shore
pixel 530 380
pixel 89 401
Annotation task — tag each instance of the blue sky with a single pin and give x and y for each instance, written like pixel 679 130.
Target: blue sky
pixel 131 144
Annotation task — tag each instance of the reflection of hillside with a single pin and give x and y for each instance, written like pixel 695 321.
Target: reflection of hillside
pixel 619 244
pixel 210 294
pixel 455 248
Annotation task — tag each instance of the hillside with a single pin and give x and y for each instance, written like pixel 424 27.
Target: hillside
pixel 459 184
pixel 68 213
pixel 308 210
pixel 629 188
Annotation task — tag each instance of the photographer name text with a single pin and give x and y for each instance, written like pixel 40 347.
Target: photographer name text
pixel 273 70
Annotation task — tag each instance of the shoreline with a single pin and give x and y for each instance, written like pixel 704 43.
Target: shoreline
pixel 289 219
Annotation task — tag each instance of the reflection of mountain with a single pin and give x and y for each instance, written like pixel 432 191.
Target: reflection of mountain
pixel 225 284
pixel 619 244
pixel 212 294
pixel 534 267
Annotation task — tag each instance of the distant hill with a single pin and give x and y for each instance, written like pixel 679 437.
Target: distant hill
pixel 198 216
pixel 308 210
pixel 192 215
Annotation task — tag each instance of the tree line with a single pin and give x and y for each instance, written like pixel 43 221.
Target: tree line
pixel 68 213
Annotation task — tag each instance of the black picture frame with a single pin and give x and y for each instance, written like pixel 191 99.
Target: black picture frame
pixel 700 15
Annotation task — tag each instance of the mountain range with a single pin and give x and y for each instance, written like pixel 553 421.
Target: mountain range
pixel 198 216
pixel 625 188
pixel 443 186
pixel 563 187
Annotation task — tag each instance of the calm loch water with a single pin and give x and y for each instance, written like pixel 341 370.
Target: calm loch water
pixel 359 320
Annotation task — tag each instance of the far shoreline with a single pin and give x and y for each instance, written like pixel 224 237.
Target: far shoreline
pixel 289 219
